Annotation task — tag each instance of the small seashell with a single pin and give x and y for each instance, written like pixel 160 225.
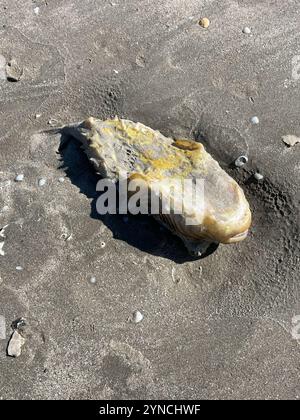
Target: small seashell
pixel 254 120
pixel 53 122
pixel 93 280
pixel 102 244
pixel 13 71
pixel 246 30
pixel 42 182
pixel 258 176
pixel 290 140
pixel 204 22
pixel 19 178
pixel 137 317
pixel 61 179
pixel 15 344
pixel 241 161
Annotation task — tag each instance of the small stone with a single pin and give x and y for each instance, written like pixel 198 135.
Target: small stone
pixel 36 10
pixel 137 317
pixel 116 71
pixel 61 179
pixel 246 30
pixel 19 268
pixel 15 344
pixel 93 280
pixel 42 182
pixel 258 176
pixel 19 178
pixel 254 120
pixel 241 161
pixel 37 116
pixel 204 22
pixel 13 71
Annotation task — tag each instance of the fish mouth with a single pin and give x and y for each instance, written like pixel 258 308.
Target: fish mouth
pixel 239 237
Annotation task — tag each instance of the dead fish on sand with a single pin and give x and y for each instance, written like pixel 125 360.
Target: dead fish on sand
pixel 117 145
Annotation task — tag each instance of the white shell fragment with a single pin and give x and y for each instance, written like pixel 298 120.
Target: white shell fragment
pixel 53 122
pixel 254 120
pixel 241 161
pixel 137 317
pixel 42 182
pixel 1 249
pixel 93 280
pixel 61 179
pixel 19 178
pixel 290 140
pixel 258 176
pixel 246 30
pixel 15 344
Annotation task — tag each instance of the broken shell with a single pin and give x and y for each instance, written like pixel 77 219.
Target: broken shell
pixel 15 344
pixel 13 71
pixel 137 317
pixel 258 176
pixel 42 182
pixel 19 178
pixel 246 30
pixel 290 140
pixel 254 120
pixel 241 161
pixel 119 146
pixel 2 253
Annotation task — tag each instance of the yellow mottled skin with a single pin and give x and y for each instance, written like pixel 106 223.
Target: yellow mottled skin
pixel 177 159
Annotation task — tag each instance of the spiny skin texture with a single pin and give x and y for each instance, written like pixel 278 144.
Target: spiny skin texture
pixel 121 145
